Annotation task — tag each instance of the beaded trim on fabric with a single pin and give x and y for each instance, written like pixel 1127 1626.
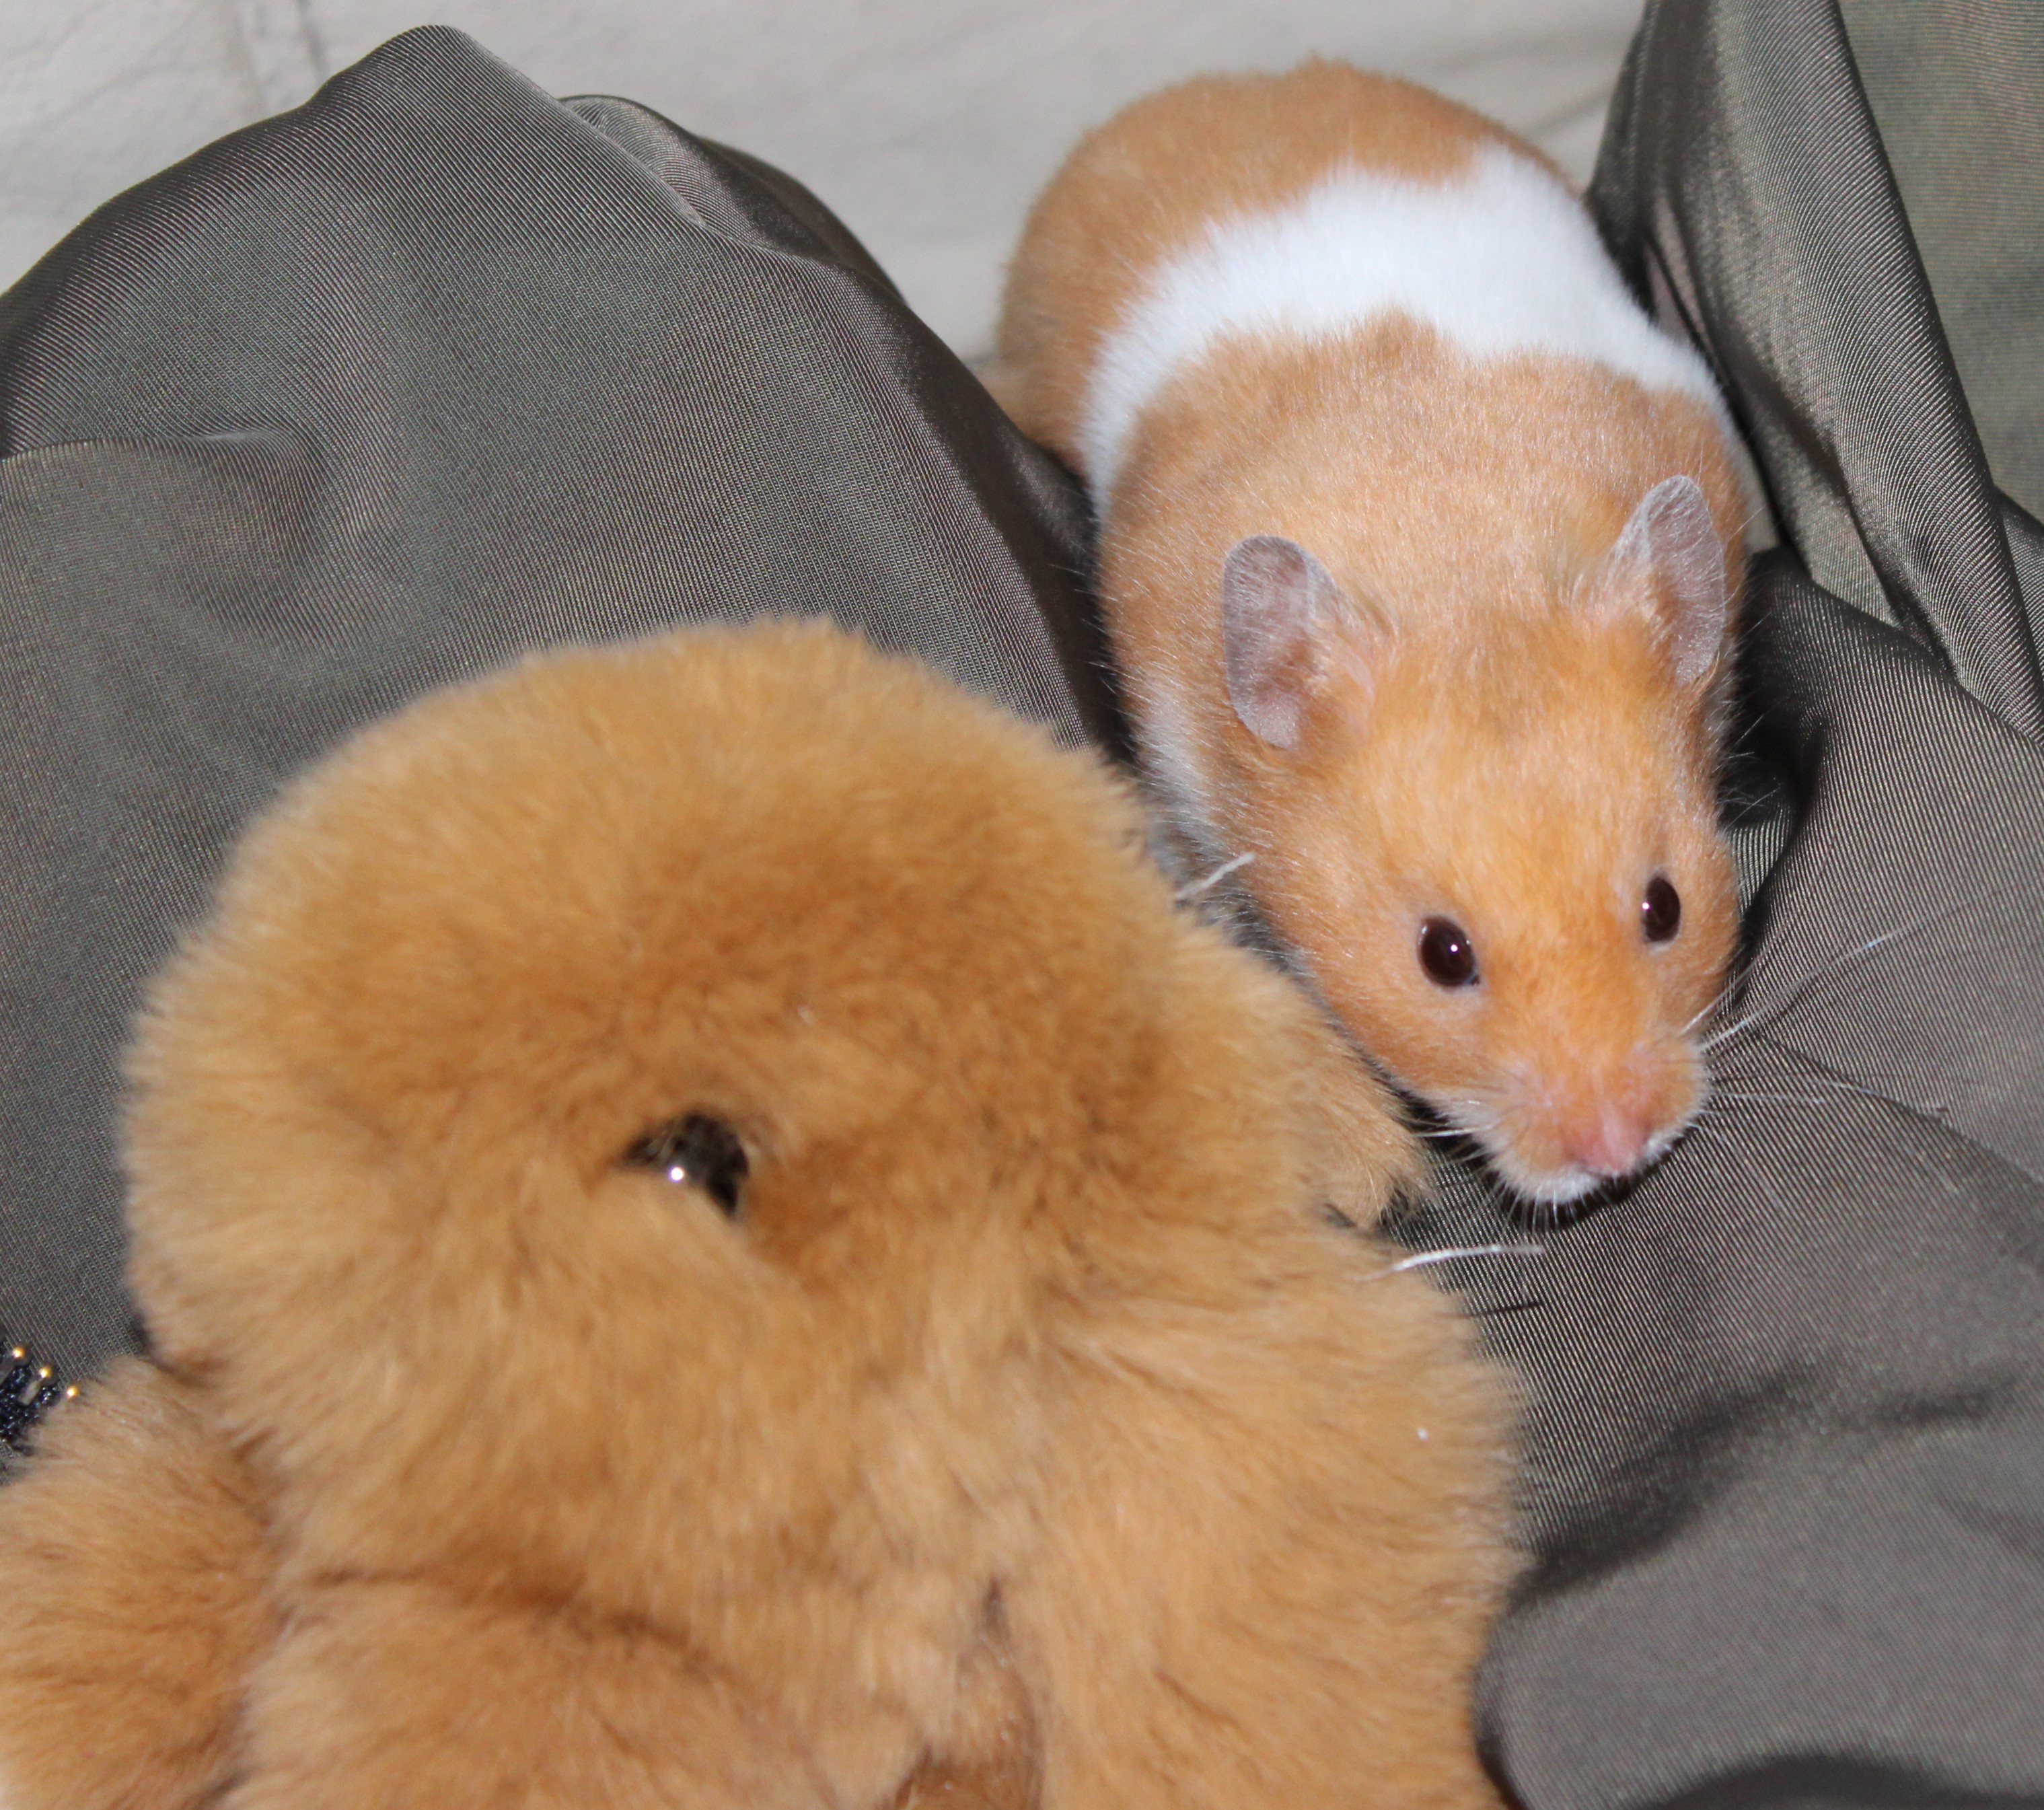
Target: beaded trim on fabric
pixel 28 1391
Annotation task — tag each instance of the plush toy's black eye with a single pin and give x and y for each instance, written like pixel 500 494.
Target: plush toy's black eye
pixel 696 1151
pixel 1446 953
pixel 1661 910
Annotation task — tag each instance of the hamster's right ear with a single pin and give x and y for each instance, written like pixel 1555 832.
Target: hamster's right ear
pixel 1672 535
pixel 1278 605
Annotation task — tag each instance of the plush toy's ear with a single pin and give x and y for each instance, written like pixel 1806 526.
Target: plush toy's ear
pixel 1670 552
pixel 1278 605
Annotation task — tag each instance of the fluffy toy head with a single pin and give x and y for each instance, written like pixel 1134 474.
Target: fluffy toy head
pixel 618 1134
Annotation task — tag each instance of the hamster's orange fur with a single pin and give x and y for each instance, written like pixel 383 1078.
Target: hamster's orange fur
pixel 1495 734
pixel 1033 1434
pixel 1147 185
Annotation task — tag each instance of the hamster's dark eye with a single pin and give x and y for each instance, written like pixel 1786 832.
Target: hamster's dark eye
pixel 1446 953
pixel 696 1151
pixel 1661 910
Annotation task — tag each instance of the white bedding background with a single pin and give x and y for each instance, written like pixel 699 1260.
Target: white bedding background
pixel 927 124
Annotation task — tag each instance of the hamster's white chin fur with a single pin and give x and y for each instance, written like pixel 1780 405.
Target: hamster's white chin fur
pixel 1564 1187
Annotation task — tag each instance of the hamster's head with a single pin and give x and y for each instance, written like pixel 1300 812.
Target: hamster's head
pixel 1497 853
pixel 617 1129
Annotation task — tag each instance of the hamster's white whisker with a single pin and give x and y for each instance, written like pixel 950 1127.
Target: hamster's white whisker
pixel 1723 993
pixel 1213 879
pixel 1737 972
pixel 1767 1014
pixel 1845 1084
pixel 1918 1160
pixel 1420 1259
pixel 1747 1096
pixel 1707 1121
pixel 1738 1097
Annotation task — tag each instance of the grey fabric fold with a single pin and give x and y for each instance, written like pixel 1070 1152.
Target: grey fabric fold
pixel 1785 1489
pixel 1758 199
pixel 377 393
pixel 1957 89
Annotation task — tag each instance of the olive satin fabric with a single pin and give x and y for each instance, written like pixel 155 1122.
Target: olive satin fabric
pixel 1957 87
pixel 376 394
pixel 436 368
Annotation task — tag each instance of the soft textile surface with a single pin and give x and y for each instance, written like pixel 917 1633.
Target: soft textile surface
pixel 378 394
pixel 1957 87
pixel 927 124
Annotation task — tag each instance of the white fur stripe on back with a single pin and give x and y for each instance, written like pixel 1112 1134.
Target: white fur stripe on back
pixel 1501 260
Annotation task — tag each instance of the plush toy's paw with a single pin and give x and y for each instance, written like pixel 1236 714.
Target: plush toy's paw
pixel 399 1695
pixel 1370 1156
pixel 133 1572
pixel 989 1760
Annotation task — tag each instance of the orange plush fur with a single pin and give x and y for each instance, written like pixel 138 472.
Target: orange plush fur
pixel 136 1585
pixel 1492 727
pixel 1031 1432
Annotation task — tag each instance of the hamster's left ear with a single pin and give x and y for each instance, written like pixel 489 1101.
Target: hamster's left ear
pixel 1671 547
pixel 1280 609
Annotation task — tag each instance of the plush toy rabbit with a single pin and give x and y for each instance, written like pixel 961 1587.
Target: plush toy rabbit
pixel 712 1239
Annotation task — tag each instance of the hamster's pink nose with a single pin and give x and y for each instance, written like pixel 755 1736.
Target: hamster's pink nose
pixel 1611 1142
